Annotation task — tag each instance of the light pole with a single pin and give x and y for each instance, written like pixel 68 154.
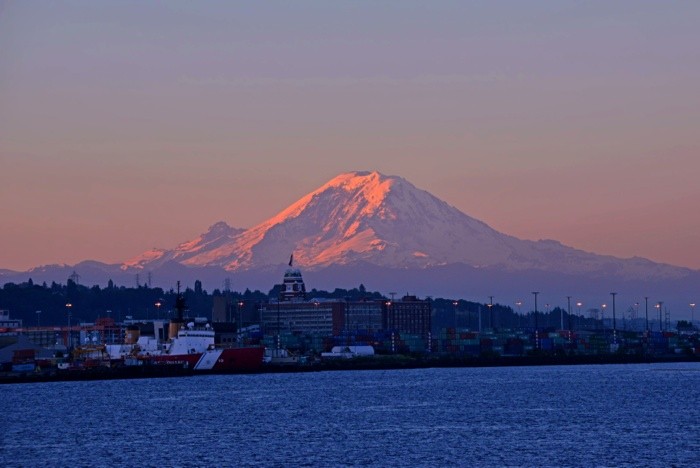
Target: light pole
pixel 278 325
pixel 579 304
pixel 646 311
pixel 537 344
pixel 69 306
pixel 391 325
pixel 493 326
pixel 568 310
pixel 239 319
pixel 478 309
pixel 158 304
pixel 520 316
pixel 38 314
pixel 692 314
pixel 613 294
pixel 454 314
pixel 602 316
pixel 661 323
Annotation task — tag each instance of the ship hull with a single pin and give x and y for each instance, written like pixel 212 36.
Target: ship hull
pixel 215 360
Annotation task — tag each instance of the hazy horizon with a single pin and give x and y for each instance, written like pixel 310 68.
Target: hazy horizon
pixel 126 126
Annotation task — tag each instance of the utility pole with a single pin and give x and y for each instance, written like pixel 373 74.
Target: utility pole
pixel 537 343
pixel 479 308
pixel 278 325
pixel 454 314
pixel 613 294
pixel 646 311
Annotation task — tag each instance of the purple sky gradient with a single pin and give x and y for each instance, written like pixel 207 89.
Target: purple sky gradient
pixel 125 125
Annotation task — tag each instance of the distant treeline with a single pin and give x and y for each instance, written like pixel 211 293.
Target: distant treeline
pixel 119 302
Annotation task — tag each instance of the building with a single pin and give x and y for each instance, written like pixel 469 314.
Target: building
pixel 307 317
pixel 293 288
pixel 231 310
pixel 7 322
pixel 410 315
pixel 364 317
pixel 221 309
pixel 293 313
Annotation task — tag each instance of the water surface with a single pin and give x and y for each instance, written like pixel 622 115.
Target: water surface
pixel 605 415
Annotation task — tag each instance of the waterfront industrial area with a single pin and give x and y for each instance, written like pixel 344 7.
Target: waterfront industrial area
pixel 296 332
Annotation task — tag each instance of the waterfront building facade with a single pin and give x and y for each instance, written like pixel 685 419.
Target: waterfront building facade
pixel 312 317
pixel 409 315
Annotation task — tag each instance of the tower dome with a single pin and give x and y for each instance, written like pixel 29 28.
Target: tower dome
pixel 293 285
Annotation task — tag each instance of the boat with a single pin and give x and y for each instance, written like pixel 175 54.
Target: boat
pixel 348 352
pixel 189 345
pixel 281 357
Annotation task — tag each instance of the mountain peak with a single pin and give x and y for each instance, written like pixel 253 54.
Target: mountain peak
pixel 352 180
pixel 373 185
pixel 219 228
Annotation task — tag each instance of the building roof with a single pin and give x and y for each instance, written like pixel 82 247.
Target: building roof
pixel 24 343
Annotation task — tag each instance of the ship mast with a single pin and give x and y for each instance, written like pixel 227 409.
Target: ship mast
pixel 180 307
pixel 180 304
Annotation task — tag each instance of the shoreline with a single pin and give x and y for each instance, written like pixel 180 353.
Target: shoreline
pixel 390 362
pixel 406 362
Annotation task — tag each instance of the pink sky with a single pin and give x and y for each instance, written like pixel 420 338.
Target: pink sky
pixel 126 126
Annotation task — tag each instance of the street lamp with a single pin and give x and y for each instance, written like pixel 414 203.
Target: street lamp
pixel 158 304
pixel 520 317
pixel 454 315
pixel 661 323
pixel 493 326
pixel 613 294
pixel 38 314
pixel 692 313
pixel 579 304
pixel 69 306
pixel 602 316
pixel 537 344
pixel 646 311
pixel 239 319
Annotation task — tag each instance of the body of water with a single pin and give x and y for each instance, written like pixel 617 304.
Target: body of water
pixel 610 415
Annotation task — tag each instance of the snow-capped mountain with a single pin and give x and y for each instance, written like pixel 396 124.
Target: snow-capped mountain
pixel 386 221
pixel 364 227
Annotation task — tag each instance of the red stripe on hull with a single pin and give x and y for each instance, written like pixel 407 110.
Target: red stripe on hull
pixel 240 359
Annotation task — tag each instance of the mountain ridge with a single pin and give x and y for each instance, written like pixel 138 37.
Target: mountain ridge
pixel 387 221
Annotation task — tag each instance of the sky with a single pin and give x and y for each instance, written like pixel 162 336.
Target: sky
pixel 131 125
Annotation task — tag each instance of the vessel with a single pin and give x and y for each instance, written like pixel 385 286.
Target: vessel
pixel 189 345
pixel 281 357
